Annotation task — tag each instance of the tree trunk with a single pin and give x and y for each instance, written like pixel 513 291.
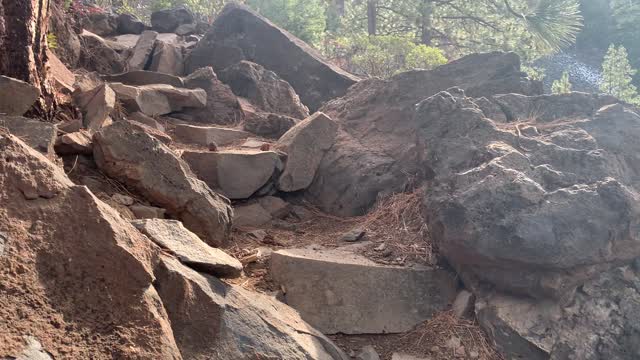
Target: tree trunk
pixel 23 45
pixel 426 10
pixel 372 16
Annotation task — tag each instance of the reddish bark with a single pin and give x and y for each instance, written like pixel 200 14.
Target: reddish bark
pixel 23 45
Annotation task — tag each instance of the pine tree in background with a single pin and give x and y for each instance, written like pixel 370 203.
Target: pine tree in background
pixel 561 86
pixel 617 75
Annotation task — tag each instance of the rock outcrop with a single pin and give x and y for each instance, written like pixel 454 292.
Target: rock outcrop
pixel 168 20
pixel 39 135
pixel 377 149
pixel 264 89
pixel 159 99
pixel 239 34
pixel 144 163
pixel 222 105
pixel 554 200
pixel 100 275
pixel 16 96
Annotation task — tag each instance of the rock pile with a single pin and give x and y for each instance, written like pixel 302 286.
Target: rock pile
pixel 183 136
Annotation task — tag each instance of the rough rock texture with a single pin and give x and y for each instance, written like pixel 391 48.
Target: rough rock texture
pixel 376 152
pixel 212 320
pixel 69 47
pixel 99 22
pixel 238 34
pixel 97 55
pixel 16 96
pixel 140 59
pixel 129 24
pixel 188 248
pixel 250 215
pixel 237 174
pixel 268 124
pixel 144 163
pixel 305 144
pixel 63 78
pixel 338 291
pixel 100 275
pixel 222 105
pixel 168 20
pixel 146 120
pixel 264 89
pixel 167 59
pixel 158 99
pixel 76 143
pixel 600 322
pixel 532 207
pixel 142 77
pixel 38 134
pixel 205 135
pixel 96 106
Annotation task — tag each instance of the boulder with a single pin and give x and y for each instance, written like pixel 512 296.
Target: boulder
pixel 237 174
pixel 269 125
pixel 264 89
pixel 599 322
pixel 147 212
pixel 102 274
pixel 205 135
pixel 142 77
pixel 337 291
pixel 222 105
pixel 16 96
pixel 128 41
pixel 376 151
pixel 168 20
pixel 129 24
pixel 144 163
pixel 141 57
pixel 239 33
pixel 158 134
pixel 146 120
pixel 97 55
pixel 554 206
pixel 186 29
pixel 158 99
pixel 167 59
pixel 96 106
pixel 305 145
pixel 40 135
pixel 63 78
pixel 76 143
pixel 188 248
pixel 251 215
pixel 99 21
pixel 213 320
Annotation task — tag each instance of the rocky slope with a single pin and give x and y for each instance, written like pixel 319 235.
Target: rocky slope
pixel 193 204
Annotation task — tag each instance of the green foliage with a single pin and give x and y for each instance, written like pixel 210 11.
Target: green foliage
pixel 534 72
pixel 561 86
pixel 556 23
pixel 617 75
pixel 304 18
pixel 384 56
pixel 52 41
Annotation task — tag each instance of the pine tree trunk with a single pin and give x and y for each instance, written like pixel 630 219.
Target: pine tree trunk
pixel 426 10
pixel 372 16
pixel 23 45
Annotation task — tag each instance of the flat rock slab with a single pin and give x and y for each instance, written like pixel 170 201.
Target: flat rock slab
pixel 158 99
pixel 37 134
pixel 188 248
pixel 16 96
pixel 205 135
pixel 142 77
pixel 237 174
pixel 338 291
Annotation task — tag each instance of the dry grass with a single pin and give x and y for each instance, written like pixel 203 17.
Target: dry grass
pixel 444 337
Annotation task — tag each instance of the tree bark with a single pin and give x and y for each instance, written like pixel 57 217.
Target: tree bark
pixel 23 45
pixel 372 16
pixel 426 10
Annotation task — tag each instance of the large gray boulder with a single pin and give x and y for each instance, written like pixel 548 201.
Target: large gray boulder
pixel 167 58
pixel 337 291
pixel 222 105
pixel 533 207
pixel 188 248
pixel 126 153
pixel 16 96
pixel 239 33
pixel 305 144
pixel 40 135
pixel 97 55
pixel 206 135
pixel 377 149
pixel 143 51
pixel 599 322
pixel 96 106
pixel 237 174
pixel 213 320
pixel 264 88
pixel 168 20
